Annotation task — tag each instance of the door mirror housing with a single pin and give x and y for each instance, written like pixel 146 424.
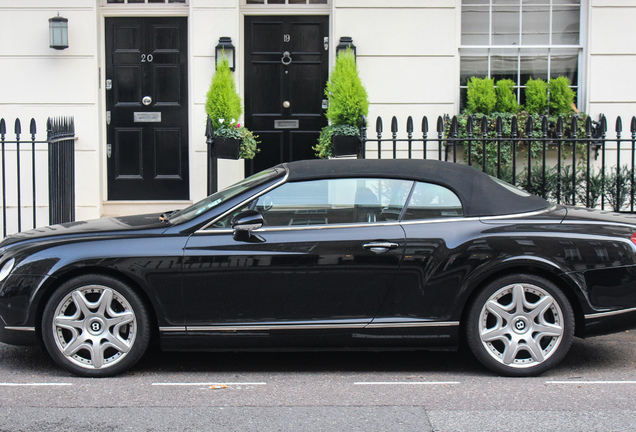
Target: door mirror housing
pixel 244 223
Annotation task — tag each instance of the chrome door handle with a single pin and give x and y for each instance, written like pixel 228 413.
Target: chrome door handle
pixel 380 247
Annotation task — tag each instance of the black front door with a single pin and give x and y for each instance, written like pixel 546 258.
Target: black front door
pixel 146 100
pixel 286 69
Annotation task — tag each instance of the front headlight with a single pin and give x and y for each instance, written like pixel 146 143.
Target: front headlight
pixel 6 269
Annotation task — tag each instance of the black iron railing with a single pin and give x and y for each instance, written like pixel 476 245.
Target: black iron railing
pixel 25 163
pixel 569 161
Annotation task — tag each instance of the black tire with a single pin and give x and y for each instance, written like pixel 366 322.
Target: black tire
pixel 520 325
pixel 95 311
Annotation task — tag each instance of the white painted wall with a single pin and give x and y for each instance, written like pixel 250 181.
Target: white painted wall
pixel 38 82
pixel 407 56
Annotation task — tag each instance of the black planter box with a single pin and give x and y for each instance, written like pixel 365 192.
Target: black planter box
pixel 344 145
pixel 226 148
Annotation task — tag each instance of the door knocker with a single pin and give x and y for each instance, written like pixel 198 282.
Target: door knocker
pixel 286 60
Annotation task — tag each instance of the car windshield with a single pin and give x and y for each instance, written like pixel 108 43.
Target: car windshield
pixel 222 196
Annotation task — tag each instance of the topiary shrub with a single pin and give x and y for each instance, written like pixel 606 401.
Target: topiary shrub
pixel 348 102
pixel 561 96
pixel 536 96
pixel 223 103
pixel 348 99
pixel 506 97
pixel 482 97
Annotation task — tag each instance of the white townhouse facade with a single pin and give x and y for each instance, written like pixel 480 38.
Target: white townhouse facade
pixel 136 72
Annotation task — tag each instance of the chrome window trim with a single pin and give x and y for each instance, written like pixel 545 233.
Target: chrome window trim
pixel 242 203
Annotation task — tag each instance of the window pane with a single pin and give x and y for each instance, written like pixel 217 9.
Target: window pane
pixel 565 64
pixel 475 64
pixel 536 25
pixel 504 67
pixel 475 26
pixel 255 1
pixel 431 201
pixel 334 201
pixel 505 25
pixel 565 25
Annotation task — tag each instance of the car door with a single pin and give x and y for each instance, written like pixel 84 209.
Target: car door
pixel 325 259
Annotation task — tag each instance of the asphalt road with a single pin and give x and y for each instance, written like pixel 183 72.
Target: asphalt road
pixel 594 389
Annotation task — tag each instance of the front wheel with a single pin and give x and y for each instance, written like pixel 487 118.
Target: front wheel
pixel 95 326
pixel 520 325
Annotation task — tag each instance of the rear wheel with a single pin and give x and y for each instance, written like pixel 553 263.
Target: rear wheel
pixel 520 325
pixel 95 326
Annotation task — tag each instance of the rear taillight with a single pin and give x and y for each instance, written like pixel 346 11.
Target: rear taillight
pixel 634 238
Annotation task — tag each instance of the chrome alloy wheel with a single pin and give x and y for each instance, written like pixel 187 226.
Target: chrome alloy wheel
pixel 521 325
pixel 94 327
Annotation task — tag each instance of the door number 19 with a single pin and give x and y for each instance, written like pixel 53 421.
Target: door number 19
pixel 286 38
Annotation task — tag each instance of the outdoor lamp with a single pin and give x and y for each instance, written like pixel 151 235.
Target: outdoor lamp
pixel 58 32
pixel 225 49
pixel 346 42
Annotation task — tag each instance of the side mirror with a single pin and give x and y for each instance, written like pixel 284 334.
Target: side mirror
pixel 244 223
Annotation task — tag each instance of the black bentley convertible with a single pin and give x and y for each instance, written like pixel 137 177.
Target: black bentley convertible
pixel 336 254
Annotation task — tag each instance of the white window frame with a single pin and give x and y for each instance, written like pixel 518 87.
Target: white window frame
pixel 511 50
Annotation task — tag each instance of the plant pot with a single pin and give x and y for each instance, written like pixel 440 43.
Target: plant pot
pixel 345 145
pixel 226 148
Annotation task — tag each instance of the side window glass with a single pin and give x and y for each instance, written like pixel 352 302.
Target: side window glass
pixel 334 201
pixel 431 201
pixel 226 222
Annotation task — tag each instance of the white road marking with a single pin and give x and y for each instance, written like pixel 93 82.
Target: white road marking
pixel 407 383
pixel 210 384
pixel 590 382
pixel 33 384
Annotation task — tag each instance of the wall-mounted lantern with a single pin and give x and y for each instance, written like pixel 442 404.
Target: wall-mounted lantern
pixel 346 42
pixel 225 49
pixel 58 32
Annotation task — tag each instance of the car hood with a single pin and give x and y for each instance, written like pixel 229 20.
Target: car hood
pixel 97 227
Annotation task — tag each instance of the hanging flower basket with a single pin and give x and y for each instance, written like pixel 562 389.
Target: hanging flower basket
pixel 226 148
pixel 346 145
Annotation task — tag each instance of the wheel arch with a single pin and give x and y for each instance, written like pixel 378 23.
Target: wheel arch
pixel 563 281
pixel 55 282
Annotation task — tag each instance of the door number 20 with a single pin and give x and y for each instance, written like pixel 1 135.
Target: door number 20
pixel 146 58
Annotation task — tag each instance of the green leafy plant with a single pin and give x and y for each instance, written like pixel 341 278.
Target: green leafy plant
pixel 481 94
pixel 249 142
pixel 536 96
pixel 348 103
pixel 561 96
pixel 224 107
pixel 617 187
pixel 506 97
pixel 223 103
pixel 324 148
pixel 348 99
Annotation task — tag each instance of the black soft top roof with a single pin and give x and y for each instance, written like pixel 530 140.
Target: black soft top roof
pixel 479 193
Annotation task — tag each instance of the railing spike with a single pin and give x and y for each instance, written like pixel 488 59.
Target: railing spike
pixel 499 125
pixel 363 122
pixel 394 124
pixel 3 127
pixel 633 125
pixel 484 125
pixel 440 124
pixel 425 124
pixel 603 123
pixel 559 126
pixel 529 127
pixel 619 124
pixel 469 125
pixel 409 125
pixel 454 127
pixel 588 126
pixel 378 125
pixel 544 125
pixel 18 127
pixel 574 128
pixel 32 127
pixel 514 126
